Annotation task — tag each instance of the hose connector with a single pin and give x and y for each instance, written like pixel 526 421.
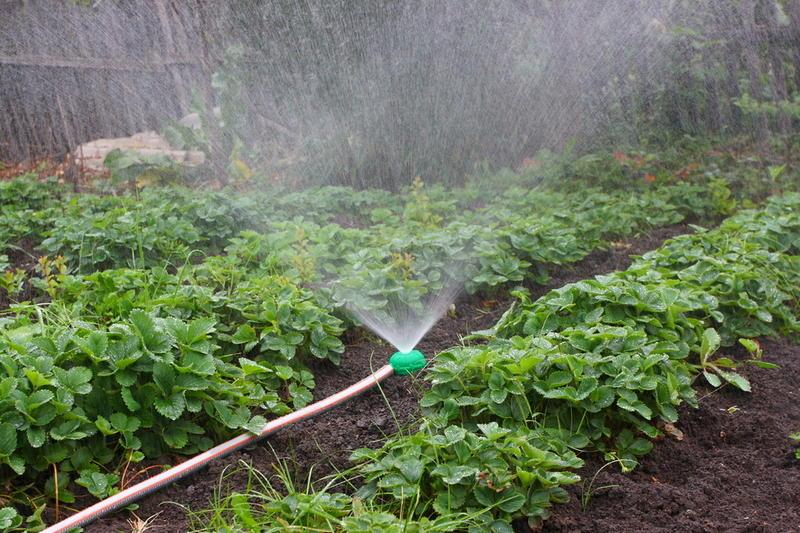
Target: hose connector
pixel 408 362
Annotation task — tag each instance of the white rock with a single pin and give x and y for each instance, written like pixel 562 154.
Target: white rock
pixel 92 154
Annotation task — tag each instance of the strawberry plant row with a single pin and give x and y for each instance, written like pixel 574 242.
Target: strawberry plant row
pixel 596 365
pixel 599 365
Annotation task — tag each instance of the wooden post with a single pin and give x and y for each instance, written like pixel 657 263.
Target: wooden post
pixel 747 10
pixel 713 114
pixel 793 10
pixel 218 154
pixel 169 44
pixel 781 93
pixel 732 61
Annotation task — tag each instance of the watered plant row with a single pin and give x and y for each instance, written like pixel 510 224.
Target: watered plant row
pixel 115 365
pixel 596 366
pixel 369 249
pixel 123 364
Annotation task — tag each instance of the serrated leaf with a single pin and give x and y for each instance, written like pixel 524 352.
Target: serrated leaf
pixel 175 437
pixel 98 484
pixel 129 400
pixel 411 469
pixel 453 474
pixel 245 334
pixel 199 328
pixel 123 423
pixel 256 424
pixel 75 379
pixel 36 436
pixel 8 439
pixel 511 501
pixel 200 363
pixel 9 519
pixel 172 406
pixel 38 399
pixel 154 339
pixel 492 430
pixel 126 378
pixel 164 376
pixel 640 447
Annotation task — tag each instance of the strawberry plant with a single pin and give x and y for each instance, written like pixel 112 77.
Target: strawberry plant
pixel 267 317
pixel 83 397
pixel 490 472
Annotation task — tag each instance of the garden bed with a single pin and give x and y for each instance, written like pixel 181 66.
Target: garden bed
pixel 734 470
pixel 323 444
pixel 184 349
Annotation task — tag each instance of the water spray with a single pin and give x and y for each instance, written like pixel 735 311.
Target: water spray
pixel 401 363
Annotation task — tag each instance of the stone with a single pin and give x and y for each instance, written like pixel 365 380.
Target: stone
pixel 91 155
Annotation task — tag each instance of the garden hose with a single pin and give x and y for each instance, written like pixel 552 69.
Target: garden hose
pixel 399 363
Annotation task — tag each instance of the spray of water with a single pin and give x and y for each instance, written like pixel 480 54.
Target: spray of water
pixel 365 93
pixel 403 325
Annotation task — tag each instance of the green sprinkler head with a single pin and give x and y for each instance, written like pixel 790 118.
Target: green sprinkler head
pixel 407 363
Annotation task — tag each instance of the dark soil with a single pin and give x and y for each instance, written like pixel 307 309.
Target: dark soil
pixel 21 256
pixel 323 445
pixel 734 470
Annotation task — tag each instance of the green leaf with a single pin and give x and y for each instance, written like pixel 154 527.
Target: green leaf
pixel 6 386
pixel 751 346
pixel 124 423
pixel 454 434
pixel 8 439
pixel 453 474
pixel 17 464
pixel 129 400
pixel 171 407
pixel 492 430
pixel 245 334
pixel 9 519
pixel 36 436
pixel 200 328
pixel 284 372
pixel 712 379
pixel 176 437
pixel 241 507
pixel 126 378
pixel 164 376
pixel 38 399
pixel 411 469
pixel 735 379
pixel 640 447
pixel 256 424
pixel 68 430
pixel 559 378
pixel 98 484
pixel 764 315
pixel 710 343
pixel 512 501
pixel 154 339
pixel 763 364
pixel 75 379
pixel 200 363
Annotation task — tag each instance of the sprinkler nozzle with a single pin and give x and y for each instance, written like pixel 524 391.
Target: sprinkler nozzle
pixel 408 362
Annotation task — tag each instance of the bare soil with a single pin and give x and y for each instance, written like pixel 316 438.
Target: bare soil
pixel 733 471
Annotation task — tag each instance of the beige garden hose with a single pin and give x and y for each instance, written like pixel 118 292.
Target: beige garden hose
pixel 131 494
